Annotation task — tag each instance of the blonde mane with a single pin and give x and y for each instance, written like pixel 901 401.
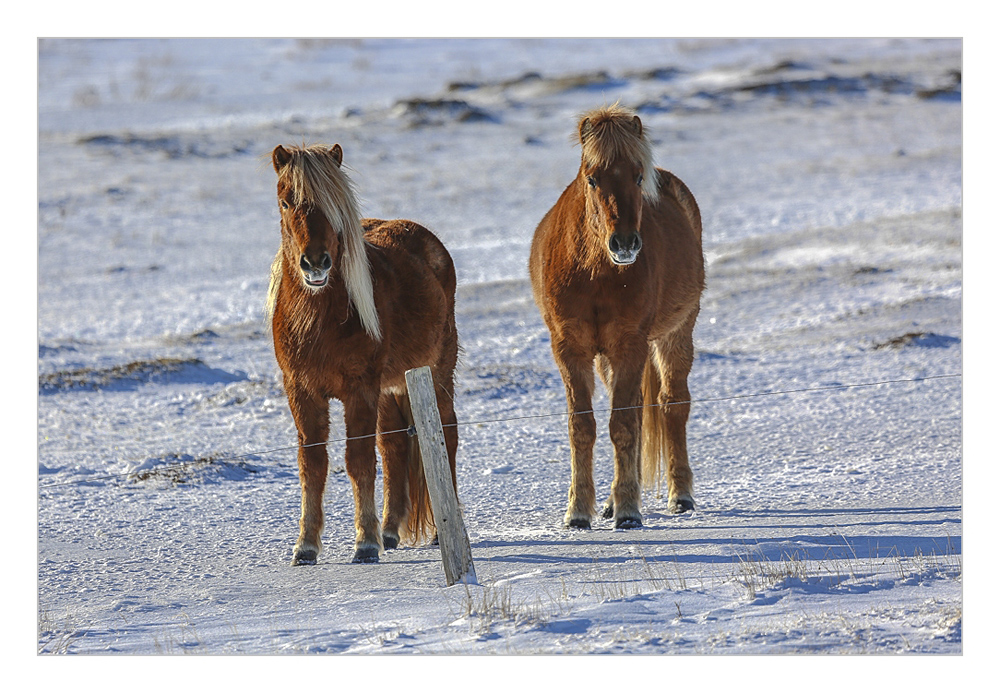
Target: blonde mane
pixel 317 179
pixel 612 133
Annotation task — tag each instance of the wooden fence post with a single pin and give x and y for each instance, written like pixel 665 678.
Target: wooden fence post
pixel 456 553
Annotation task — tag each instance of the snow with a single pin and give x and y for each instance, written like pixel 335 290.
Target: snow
pixel 829 513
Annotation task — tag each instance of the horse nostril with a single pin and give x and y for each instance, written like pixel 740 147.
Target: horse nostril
pixel 324 264
pixel 619 243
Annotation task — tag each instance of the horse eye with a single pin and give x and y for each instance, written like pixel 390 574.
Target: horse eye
pixel 639 180
pixel 284 205
pixel 591 182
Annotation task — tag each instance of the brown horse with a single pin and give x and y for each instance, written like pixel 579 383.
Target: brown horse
pixel 617 272
pixel 354 304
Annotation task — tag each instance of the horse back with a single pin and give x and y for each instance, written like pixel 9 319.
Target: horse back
pixel 415 294
pixel 410 244
pixel 673 224
pixel 675 219
pixel 674 191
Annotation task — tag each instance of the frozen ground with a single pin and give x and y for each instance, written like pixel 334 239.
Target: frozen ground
pixel 829 520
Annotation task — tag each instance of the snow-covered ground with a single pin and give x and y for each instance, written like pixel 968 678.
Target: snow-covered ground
pixel 826 440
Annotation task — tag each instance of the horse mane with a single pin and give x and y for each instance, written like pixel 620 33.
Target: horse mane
pixel 612 133
pixel 317 179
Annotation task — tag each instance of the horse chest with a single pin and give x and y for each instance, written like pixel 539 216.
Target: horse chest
pixel 598 312
pixel 325 361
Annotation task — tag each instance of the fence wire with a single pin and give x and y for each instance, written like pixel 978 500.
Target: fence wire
pixel 411 431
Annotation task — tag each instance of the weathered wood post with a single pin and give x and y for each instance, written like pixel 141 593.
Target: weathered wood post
pixel 456 553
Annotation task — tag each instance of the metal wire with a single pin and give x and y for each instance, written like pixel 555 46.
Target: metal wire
pixel 411 431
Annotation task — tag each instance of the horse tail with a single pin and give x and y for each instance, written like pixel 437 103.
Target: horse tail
pixel 420 518
pixel 654 427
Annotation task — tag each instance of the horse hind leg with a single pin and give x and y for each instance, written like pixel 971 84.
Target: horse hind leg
pixel 666 433
pixel 395 447
pixel 449 421
pixel 421 516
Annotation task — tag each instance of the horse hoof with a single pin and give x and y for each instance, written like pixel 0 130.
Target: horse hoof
pixel 628 523
pixel 681 505
pixel 608 511
pixel 578 523
pixel 304 557
pixel 435 541
pixel 389 542
pixel 368 554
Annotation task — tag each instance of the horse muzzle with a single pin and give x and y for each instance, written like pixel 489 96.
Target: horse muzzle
pixel 315 275
pixel 624 248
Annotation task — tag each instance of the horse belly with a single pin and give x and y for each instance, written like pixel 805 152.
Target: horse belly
pixel 674 309
pixel 412 348
pixel 421 330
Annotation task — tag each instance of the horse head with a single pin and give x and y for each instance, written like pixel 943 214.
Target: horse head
pixel 614 175
pixel 321 229
pixel 312 243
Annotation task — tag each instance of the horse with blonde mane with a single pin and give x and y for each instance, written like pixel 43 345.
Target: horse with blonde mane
pixel 617 272
pixel 354 303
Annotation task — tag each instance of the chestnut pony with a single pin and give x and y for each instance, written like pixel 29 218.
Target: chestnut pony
pixel 617 272
pixel 354 304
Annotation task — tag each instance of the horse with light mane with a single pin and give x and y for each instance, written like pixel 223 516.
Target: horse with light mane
pixel 617 272
pixel 354 303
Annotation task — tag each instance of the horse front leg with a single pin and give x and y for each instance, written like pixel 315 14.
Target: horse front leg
pixel 675 359
pixel 625 428
pixel 312 419
pixel 360 419
pixel 577 371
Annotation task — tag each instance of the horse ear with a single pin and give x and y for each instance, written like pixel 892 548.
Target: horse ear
pixel 585 128
pixel 280 158
pixel 337 153
pixel 637 124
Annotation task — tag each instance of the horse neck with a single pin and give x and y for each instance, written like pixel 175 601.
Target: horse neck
pixel 311 308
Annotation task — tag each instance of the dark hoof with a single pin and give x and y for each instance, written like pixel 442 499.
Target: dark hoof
pixel 434 541
pixel 681 506
pixel 389 542
pixel 608 511
pixel 578 524
pixel 369 554
pixel 628 523
pixel 307 557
